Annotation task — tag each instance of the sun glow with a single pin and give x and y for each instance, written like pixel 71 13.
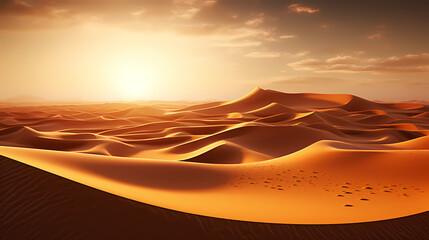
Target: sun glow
pixel 133 81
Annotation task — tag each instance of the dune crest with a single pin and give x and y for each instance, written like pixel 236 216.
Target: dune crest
pixel 266 157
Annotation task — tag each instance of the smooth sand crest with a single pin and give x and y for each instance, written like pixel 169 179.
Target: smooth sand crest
pixel 267 157
pixel 41 205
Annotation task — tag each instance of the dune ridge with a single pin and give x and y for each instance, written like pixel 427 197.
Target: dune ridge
pixel 33 211
pixel 267 157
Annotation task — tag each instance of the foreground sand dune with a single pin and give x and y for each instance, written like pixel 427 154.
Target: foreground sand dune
pixel 57 208
pixel 267 157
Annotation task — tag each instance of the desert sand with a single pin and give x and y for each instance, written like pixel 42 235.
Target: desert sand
pixel 268 157
pixel 41 205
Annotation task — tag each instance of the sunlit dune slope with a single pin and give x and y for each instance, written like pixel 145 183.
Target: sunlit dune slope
pixel 266 157
pixel 63 209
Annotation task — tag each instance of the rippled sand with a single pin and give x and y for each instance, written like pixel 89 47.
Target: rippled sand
pixel 267 157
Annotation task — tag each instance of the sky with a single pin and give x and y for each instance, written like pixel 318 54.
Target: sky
pixel 107 50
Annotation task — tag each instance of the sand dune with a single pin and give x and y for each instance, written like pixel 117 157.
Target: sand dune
pixel 267 157
pixel 62 209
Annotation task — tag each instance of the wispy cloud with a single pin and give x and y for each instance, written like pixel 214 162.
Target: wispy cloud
pixel 187 13
pixel 256 21
pixel 379 34
pixel 299 8
pixel 238 44
pixel 300 54
pixel 268 54
pixel 288 36
pixel 375 36
pixel 241 37
pixel 327 26
pixel 263 55
pixel 304 81
pixel 410 63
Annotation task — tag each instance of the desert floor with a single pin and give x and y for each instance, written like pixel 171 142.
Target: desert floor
pixel 257 167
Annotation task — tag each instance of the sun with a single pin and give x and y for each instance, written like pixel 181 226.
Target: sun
pixel 132 82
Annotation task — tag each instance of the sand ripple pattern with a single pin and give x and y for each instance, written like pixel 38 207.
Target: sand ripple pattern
pixel 262 125
pixel 268 157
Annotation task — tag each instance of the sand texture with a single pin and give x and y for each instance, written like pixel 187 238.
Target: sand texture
pixel 268 157
pixel 41 205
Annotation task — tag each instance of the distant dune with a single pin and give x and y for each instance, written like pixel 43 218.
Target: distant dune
pixel 267 157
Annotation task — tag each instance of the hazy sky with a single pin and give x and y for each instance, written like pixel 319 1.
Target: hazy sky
pixel 208 49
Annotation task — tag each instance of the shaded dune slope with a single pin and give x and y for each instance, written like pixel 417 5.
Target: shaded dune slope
pixel 32 213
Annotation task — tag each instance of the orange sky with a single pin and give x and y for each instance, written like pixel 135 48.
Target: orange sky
pixel 208 49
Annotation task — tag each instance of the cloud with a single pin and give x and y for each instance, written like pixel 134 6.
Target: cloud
pixel 343 60
pixel 267 54
pixel 40 14
pixel 25 14
pixel 414 82
pixel 255 22
pixel 44 8
pixel 238 44
pixel 16 7
pixel 197 29
pixel 300 54
pixel 226 26
pixel 375 36
pixel 410 63
pixel 241 37
pixel 379 33
pixel 288 36
pixel 186 13
pixel 209 3
pixel 263 55
pixel 327 26
pixel 299 8
pixel 305 81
